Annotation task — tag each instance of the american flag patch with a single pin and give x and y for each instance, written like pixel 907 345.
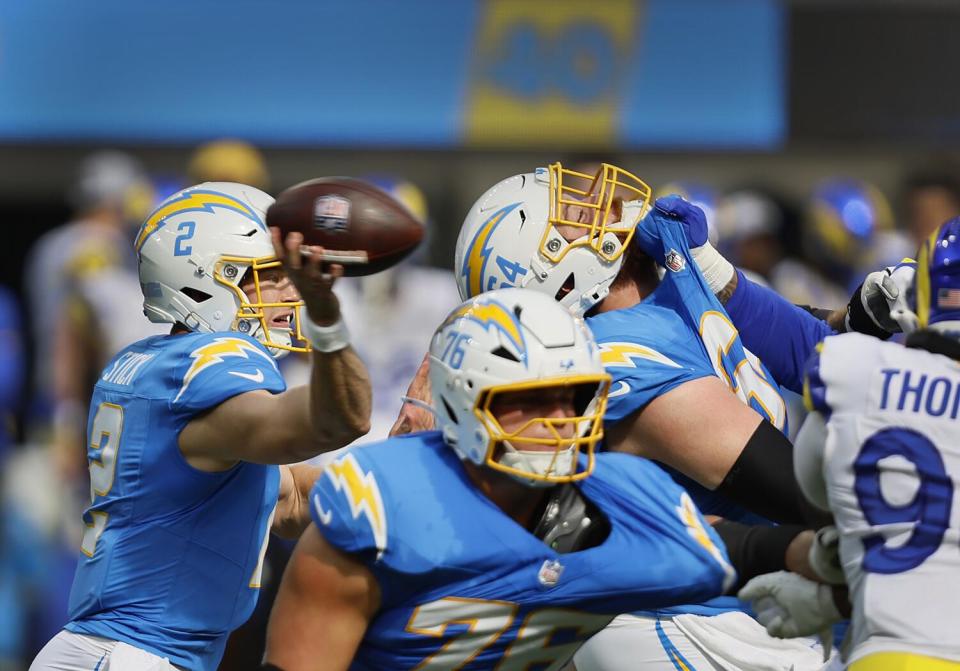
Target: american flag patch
pixel 948 298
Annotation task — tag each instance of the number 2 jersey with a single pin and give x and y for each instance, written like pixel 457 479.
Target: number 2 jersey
pixel 464 586
pixel 171 554
pixel 891 465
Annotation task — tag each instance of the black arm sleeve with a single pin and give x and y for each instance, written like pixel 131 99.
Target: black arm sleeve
pixel 763 481
pixel 820 313
pixel 755 550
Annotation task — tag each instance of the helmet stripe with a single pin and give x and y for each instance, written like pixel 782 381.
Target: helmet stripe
pixel 194 201
pixel 475 260
pixel 923 297
pixel 488 314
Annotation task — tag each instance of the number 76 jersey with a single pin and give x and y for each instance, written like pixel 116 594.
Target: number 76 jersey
pixel 891 465
pixel 463 586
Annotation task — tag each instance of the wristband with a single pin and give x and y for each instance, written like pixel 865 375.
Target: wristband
pixel 327 339
pixel 716 270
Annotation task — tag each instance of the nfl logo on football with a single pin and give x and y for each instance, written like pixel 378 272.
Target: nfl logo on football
pixel 330 213
pixel 549 574
pixel 674 261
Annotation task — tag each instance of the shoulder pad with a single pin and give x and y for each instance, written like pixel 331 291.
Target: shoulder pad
pixel 213 367
pixel 347 506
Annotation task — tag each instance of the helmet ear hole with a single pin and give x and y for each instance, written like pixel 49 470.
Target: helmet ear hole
pixel 449 409
pixel 195 294
pixel 504 353
pixel 568 285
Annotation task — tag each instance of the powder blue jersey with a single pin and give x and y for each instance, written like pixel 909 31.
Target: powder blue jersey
pixel 679 333
pixel 171 555
pixel 464 586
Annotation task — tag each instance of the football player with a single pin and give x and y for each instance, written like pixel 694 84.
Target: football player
pixel 675 357
pixel 881 450
pixel 185 429
pixel 499 539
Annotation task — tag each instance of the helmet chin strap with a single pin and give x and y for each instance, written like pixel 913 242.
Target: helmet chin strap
pixel 281 337
pixel 537 462
pixel 278 336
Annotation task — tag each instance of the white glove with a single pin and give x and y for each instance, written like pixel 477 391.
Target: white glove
pixel 824 556
pixel 883 297
pixel 789 605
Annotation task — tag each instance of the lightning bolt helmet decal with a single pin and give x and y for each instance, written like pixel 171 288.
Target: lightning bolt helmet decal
pixel 479 250
pixel 491 314
pixel 198 200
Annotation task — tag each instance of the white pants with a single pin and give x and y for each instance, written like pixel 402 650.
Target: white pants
pixel 728 642
pixel 80 652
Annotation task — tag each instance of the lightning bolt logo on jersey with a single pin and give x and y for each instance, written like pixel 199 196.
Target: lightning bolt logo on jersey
pixel 171 555
pixel 463 586
pixel 622 355
pixel 362 494
pixel 680 332
pixel 213 353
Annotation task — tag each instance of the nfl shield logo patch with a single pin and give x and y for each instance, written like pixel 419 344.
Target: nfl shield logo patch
pixel 331 213
pixel 550 572
pixel 674 261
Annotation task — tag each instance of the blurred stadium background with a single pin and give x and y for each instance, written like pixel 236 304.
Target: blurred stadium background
pixel 822 137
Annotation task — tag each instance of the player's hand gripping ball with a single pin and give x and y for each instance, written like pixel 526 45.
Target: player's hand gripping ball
pixel 359 226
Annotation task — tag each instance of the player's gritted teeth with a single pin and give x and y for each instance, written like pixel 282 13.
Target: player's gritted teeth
pixel 283 320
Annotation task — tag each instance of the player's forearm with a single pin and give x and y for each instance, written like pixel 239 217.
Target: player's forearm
pixel 293 506
pixel 323 607
pixel 780 333
pixel 340 398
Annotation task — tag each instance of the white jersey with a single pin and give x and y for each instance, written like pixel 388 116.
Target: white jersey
pixel 891 466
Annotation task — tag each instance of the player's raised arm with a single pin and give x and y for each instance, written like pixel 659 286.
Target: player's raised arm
pixel 333 410
pixel 325 602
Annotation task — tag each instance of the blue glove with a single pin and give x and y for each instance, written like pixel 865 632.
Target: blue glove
pixel 673 210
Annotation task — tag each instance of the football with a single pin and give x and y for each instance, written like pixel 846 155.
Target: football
pixel 359 226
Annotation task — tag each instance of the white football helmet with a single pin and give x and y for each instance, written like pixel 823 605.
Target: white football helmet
pixel 510 236
pixel 515 340
pixel 196 249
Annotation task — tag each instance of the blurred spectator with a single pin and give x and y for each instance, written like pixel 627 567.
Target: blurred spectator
pixel 849 231
pixel 81 280
pixel 227 160
pixel 930 198
pixel 751 227
pixel 749 223
pixel 392 315
pixel 11 368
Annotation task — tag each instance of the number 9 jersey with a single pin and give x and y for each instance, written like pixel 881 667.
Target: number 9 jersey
pixel 890 466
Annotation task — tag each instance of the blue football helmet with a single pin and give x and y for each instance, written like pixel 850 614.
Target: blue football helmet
pixel 936 295
pixel 844 218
